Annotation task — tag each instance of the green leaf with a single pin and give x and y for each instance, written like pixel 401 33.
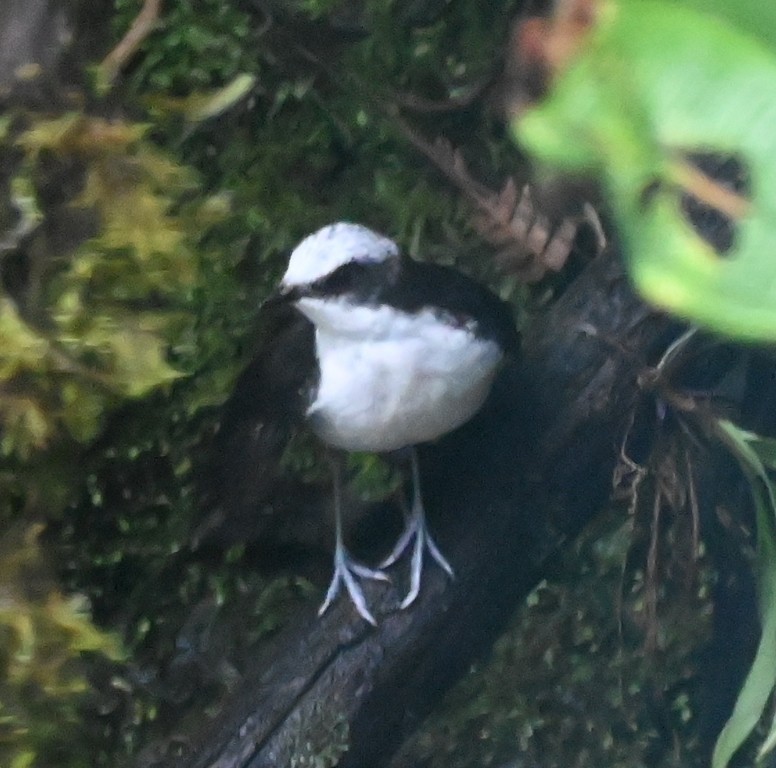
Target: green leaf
pixel 23 760
pixel 630 113
pixel 749 449
pixel 751 16
pixel 199 107
pixel 759 683
pixel 770 741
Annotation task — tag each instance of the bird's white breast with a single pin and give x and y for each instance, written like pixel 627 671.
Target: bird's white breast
pixel 389 379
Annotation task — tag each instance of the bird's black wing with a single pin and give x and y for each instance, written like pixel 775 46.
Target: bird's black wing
pixel 418 285
pixel 268 401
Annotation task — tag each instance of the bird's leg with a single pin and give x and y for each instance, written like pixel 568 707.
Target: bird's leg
pixel 346 569
pixel 417 530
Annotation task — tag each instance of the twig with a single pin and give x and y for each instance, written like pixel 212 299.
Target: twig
pixel 418 103
pixel 141 27
pixel 695 515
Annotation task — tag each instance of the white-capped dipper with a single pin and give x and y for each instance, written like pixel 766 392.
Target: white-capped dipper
pixel 406 352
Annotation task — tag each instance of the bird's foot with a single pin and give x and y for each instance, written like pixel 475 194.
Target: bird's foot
pixel 417 533
pixel 347 571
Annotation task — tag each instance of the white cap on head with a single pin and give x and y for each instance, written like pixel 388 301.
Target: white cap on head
pixel 322 252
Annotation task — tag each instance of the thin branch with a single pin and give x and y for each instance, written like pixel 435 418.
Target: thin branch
pixel 694 506
pixel 650 579
pixel 417 103
pixel 141 27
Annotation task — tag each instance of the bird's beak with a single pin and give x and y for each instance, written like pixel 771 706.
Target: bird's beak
pixel 283 294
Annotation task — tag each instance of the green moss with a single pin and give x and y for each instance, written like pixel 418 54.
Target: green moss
pixel 43 677
pixel 571 682
pixel 76 342
pixel 337 735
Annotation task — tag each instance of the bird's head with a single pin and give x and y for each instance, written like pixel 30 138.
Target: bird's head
pixel 330 251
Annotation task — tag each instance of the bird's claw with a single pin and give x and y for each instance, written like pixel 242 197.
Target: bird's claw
pixel 346 572
pixel 417 530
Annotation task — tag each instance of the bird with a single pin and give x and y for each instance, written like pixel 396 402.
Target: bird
pixel 405 352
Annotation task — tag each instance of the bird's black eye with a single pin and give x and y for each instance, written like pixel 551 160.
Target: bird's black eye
pixel 345 279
